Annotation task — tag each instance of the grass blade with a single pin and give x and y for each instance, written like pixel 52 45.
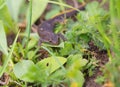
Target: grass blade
pixel 38 8
pixel 3 41
pixel 9 56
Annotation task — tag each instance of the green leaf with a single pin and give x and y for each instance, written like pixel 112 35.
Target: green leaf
pixel 3 41
pixel 81 1
pixel 52 63
pixel 74 64
pixel 25 70
pixel 58 76
pixel 68 48
pixel 31 54
pixel 5 16
pixel 93 9
pixel 14 8
pixel 51 13
pixel 76 77
pixel 76 61
pixel 32 43
pixel 38 6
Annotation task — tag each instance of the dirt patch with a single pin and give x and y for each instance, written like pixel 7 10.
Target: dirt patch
pixel 43 54
pixel 0 58
pixel 101 56
pixel 4 80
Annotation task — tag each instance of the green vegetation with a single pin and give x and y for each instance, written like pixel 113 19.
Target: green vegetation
pixel 65 64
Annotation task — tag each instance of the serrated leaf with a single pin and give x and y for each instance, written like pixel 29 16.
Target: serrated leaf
pixel 14 7
pixel 25 70
pixel 38 6
pixel 52 63
pixel 3 41
pixel 93 9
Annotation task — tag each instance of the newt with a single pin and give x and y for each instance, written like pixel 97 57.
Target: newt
pixel 46 29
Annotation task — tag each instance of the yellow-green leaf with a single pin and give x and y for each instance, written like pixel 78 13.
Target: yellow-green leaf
pixel 52 63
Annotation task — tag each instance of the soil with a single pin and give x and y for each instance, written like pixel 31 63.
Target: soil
pixel 0 58
pixel 101 56
pixel 4 80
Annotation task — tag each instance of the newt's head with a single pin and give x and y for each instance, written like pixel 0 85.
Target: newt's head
pixel 49 37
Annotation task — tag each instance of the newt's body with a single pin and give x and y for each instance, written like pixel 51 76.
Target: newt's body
pixel 46 29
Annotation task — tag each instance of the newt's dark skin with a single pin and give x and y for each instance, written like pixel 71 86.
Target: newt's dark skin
pixel 46 29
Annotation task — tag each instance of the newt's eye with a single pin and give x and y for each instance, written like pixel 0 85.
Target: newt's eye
pixel 52 42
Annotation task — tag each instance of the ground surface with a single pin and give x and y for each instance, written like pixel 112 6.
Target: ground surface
pixel 100 55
